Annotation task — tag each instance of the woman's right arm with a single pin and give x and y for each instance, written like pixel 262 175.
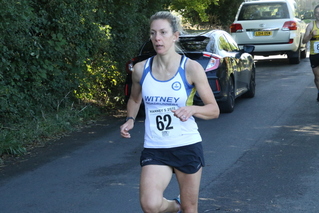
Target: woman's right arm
pixel 308 34
pixel 134 101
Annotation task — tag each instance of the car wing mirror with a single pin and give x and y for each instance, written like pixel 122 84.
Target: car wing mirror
pixel 249 48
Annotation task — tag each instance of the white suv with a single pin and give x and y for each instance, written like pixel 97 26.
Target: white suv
pixel 272 27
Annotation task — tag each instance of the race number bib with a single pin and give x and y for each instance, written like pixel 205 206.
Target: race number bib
pixel 163 123
pixel 316 47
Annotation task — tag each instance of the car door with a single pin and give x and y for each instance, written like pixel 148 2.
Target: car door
pixel 234 65
pixel 243 65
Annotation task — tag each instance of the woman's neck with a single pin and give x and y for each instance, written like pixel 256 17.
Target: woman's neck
pixel 165 66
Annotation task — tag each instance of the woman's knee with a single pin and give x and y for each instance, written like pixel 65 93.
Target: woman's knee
pixel 149 208
pixel 150 205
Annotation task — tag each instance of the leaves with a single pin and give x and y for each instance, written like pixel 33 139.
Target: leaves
pixel 186 7
pixel 76 47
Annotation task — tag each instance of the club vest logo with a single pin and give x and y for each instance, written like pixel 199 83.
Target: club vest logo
pixel 176 86
pixel 160 100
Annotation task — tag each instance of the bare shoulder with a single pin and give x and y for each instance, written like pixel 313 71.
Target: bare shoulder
pixel 139 66
pixel 194 71
pixel 310 25
pixel 138 70
pixel 193 66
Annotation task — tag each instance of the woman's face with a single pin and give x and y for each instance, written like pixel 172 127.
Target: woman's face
pixel 162 36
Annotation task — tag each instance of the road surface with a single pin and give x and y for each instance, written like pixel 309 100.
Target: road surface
pixel 263 157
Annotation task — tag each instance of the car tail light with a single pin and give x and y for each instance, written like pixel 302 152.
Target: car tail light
pixel 126 90
pixel 236 28
pixel 129 65
pixel 290 25
pixel 213 61
pixel 217 85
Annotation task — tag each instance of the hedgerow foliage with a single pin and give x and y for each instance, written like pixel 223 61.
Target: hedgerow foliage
pixel 56 54
pixel 219 13
pixel 60 56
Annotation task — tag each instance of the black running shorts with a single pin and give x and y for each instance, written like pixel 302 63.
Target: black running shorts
pixel 314 60
pixel 188 159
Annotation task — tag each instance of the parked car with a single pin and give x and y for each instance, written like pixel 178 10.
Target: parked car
pixel 272 26
pixel 230 70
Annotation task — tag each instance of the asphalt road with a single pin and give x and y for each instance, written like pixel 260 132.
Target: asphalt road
pixel 263 157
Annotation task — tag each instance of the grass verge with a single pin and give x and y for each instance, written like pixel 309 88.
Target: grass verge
pixel 16 139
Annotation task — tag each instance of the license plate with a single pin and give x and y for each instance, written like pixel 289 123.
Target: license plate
pixel 263 33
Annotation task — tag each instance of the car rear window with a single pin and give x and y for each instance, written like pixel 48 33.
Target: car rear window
pixel 185 44
pixel 260 11
pixel 193 44
pixel 147 49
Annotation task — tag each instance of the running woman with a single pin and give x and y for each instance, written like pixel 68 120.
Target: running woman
pixel 312 35
pixel 172 144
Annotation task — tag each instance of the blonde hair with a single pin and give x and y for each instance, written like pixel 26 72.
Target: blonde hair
pixel 173 20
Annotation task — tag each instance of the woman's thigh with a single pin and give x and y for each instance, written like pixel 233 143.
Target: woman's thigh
pixel 189 189
pixel 154 180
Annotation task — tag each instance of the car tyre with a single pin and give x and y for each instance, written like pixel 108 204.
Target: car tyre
pixel 252 86
pixel 294 58
pixel 304 53
pixel 228 105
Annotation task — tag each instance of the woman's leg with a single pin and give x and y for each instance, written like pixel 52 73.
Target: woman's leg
pixel 316 74
pixel 154 180
pixel 189 190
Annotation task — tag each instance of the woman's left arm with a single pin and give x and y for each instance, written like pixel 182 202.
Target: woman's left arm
pixel 195 74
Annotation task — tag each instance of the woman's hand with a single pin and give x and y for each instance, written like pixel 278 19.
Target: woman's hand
pixel 126 127
pixel 183 113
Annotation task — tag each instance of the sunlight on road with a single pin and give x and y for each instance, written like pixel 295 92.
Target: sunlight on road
pixel 311 129
pixel 259 58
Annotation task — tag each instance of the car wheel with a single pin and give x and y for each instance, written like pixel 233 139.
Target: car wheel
pixel 228 105
pixel 304 53
pixel 294 58
pixel 252 86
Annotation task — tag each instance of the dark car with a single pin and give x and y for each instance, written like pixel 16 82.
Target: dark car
pixel 230 70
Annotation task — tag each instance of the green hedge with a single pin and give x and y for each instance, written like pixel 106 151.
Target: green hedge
pixel 63 55
pixel 61 58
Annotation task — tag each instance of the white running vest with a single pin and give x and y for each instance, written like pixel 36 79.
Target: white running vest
pixel 162 128
pixel 314 41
